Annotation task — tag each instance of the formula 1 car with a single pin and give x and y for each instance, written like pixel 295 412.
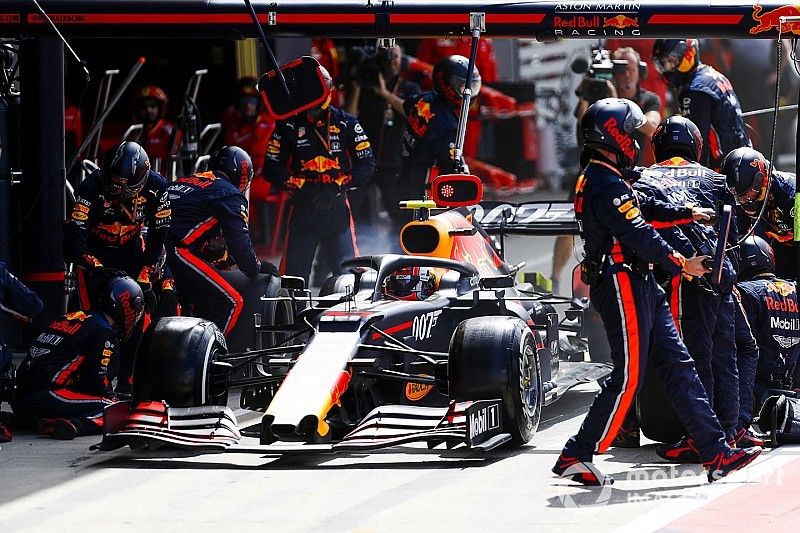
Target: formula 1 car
pixel 359 367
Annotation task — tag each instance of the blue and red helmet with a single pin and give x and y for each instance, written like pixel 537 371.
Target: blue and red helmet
pixel 746 170
pixel 677 136
pixel 235 164
pixel 610 124
pixel 675 59
pixel 450 79
pixel 123 301
pixel 125 170
pixel 755 257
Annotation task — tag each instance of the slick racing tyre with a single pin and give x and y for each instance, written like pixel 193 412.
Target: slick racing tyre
pixel 178 362
pixel 657 418
pixel 495 357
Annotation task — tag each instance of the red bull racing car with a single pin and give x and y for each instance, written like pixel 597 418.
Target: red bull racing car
pixel 439 346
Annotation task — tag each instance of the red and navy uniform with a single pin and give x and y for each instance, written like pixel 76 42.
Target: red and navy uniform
pixel 65 374
pixel 209 228
pixel 704 316
pixel 317 160
pixel 747 354
pixel 123 233
pixel 635 311
pixel 777 225
pixel 431 126
pixel 772 309
pixel 708 100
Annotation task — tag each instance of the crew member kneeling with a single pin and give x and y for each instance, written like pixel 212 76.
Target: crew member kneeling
pixel 63 381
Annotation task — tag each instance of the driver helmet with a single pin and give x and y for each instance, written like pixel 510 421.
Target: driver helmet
pixel 412 283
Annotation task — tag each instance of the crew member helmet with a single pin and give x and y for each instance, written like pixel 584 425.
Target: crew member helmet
pixel 125 170
pixel 413 283
pixel 124 302
pixel 755 257
pixel 450 79
pixel 675 59
pixel 233 163
pixel 746 173
pixel 152 92
pixel 610 124
pixel 677 136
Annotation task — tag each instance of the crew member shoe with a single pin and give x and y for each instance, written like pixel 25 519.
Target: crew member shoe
pixel 626 438
pixel 583 472
pixel 747 439
pixel 683 451
pixel 730 461
pixel 58 428
pixel 5 434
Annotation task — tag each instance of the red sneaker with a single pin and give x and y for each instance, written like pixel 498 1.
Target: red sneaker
pixel 683 451
pixel 730 461
pixel 5 434
pixel 58 428
pixel 747 439
pixel 584 472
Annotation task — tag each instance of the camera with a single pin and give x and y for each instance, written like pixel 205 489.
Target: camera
pixel 600 70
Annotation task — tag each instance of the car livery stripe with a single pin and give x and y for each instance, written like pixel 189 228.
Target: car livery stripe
pixel 393 329
pixel 696 19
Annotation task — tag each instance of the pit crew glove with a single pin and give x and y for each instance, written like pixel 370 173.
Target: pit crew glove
pixel 168 304
pixel 150 299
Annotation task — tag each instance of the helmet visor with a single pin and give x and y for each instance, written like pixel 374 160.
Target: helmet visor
pixel 666 63
pixel 459 84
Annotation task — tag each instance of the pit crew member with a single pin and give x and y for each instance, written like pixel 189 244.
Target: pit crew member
pixel 150 107
pixel 619 247
pixel 208 232
pixel 704 96
pixel 746 170
pixel 63 382
pixel 317 156
pixel 119 220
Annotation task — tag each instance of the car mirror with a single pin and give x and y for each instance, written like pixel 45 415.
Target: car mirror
pixel 497 282
pixel 294 283
pixel 456 190
pixel 307 88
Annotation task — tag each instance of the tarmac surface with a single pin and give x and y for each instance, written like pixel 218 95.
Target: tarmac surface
pixel 49 485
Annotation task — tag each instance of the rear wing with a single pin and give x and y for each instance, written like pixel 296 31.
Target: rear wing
pixel 528 218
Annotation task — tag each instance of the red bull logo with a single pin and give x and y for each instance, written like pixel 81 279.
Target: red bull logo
pixel 621 22
pixel 761 165
pixel 772 19
pixel 320 164
pixel 625 142
pixel 424 110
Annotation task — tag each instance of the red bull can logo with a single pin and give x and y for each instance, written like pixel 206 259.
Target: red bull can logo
pixel 772 19
pixel 621 22
pixel 320 164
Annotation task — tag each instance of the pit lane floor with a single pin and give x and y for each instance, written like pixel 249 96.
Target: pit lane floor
pixel 49 485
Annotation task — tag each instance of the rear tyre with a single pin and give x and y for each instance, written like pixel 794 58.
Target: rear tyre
pixel 179 362
pixel 495 357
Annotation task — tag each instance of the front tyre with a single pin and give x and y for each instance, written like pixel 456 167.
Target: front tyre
pixel 179 363
pixel 495 357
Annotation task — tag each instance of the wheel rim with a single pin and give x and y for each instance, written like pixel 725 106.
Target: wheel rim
pixel 530 391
